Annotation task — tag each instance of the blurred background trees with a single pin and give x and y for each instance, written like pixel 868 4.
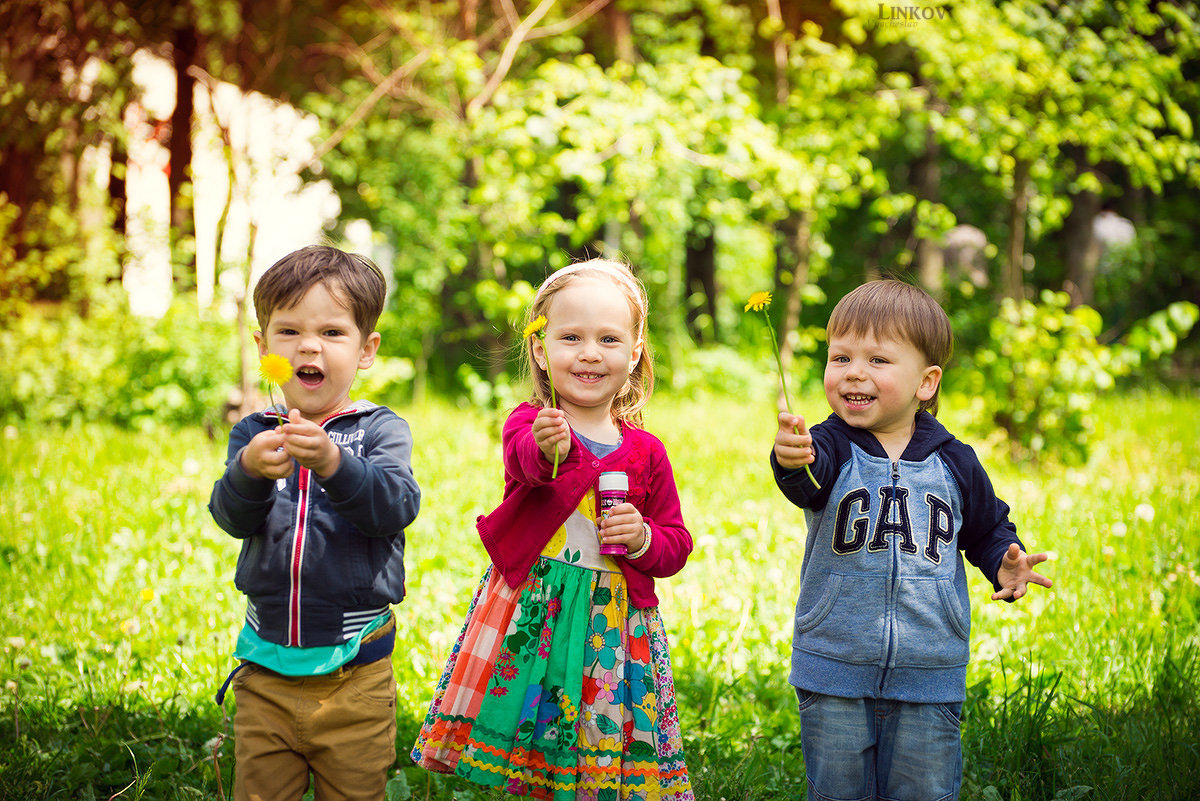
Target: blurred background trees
pixel 986 150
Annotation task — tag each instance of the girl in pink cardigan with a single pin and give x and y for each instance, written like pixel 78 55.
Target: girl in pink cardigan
pixel 560 684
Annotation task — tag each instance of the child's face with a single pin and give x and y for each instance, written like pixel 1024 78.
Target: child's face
pixel 320 338
pixel 878 384
pixel 591 342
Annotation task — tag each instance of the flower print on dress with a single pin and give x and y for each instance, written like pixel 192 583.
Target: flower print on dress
pixel 607 687
pixel 604 641
pixel 635 685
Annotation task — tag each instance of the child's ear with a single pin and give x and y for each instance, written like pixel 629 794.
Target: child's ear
pixel 538 349
pixel 636 355
pixel 261 342
pixel 369 349
pixel 930 380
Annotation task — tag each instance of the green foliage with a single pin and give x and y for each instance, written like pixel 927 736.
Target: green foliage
pixel 698 372
pixel 115 367
pixel 1038 377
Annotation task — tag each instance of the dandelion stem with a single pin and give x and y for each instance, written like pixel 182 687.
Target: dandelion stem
pixel 783 384
pixel 553 402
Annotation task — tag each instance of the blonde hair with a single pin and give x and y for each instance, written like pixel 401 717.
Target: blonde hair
pixel 890 309
pixel 627 405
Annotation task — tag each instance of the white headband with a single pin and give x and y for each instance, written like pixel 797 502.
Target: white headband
pixel 614 270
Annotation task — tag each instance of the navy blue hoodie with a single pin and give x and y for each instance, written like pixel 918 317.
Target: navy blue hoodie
pixel 322 557
pixel 883 610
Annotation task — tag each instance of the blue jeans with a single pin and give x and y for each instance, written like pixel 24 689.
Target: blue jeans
pixel 857 749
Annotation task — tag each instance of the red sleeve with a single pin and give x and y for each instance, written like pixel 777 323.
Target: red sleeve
pixel 524 461
pixel 670 541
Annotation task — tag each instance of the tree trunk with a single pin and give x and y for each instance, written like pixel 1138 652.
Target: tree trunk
pixel 700 282
pixel 1080 248
pixel 182 223
pixel 793 252
pixel 927 182
pixel 620 29
pixel 1014 278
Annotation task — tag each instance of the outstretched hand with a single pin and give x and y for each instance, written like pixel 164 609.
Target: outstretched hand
pixel 550 430
pixel 793 444
pixel 310 445
pixel 1016 573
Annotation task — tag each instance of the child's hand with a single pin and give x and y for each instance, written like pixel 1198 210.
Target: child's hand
pixel 308 444
pixel 624 526
pixel 793 450
pixel 264 457
pixel 1016 573
pixel 549 429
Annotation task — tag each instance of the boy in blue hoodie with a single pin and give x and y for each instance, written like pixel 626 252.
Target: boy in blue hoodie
pixel 319 492
pixel 882 626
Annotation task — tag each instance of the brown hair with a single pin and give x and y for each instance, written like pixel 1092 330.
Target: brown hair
pixel 627 405
pixel 354 280
pixel 890 309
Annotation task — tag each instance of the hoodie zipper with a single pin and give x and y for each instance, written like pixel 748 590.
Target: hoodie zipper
pixel 893 585
pixel 299 540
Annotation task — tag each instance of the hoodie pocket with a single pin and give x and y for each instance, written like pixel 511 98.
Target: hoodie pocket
pixel 933 625
pixel 842 618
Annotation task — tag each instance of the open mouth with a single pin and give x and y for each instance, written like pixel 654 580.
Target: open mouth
pixel 310 376
pixel 857 401
pixel 589 377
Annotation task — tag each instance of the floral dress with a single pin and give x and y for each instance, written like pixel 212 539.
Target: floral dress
pixel 560 689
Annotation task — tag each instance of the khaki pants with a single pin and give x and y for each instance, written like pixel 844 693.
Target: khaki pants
pixel 341 727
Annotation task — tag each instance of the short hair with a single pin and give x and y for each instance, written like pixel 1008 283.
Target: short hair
pixel 354 280
pixel 627 405
pixel 895 310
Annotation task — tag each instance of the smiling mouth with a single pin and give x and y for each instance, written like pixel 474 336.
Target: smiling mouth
pixel 588 376
pixel 857 400
pixel 310 376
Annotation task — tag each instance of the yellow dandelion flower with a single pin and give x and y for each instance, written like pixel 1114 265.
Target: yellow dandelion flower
pixel 538 327
pixel 275 369
pixel 758 301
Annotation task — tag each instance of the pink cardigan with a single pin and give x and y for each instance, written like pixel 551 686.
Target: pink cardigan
pixel 534 507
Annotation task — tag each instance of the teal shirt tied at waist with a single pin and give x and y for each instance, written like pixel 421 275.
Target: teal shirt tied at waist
pixel 289 661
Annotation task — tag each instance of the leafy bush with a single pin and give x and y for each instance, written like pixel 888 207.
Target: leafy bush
pixel 1038 376
pixel 116 367
pixel 695 372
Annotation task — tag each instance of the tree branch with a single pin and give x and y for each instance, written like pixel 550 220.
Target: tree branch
pixel 507 57
pixel 368 103
pixel 583 15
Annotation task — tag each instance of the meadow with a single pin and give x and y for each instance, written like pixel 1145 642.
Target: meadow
pixel 119 613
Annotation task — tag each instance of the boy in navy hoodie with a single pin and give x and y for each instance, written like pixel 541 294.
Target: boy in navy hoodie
pixel 882 626
pixel 319 491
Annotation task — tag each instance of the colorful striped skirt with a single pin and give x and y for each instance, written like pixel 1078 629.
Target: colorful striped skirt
pixel 559 689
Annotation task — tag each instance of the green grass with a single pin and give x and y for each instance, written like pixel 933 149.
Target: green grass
pixel 119 613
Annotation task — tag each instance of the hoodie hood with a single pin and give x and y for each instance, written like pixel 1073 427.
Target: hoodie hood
pixel 928 436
